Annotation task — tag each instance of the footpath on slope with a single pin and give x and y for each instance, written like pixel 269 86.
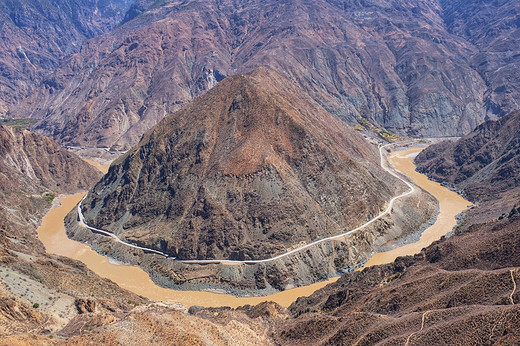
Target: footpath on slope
pixel 411 189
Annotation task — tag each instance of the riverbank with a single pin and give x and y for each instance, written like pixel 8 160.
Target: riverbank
pixel 451 204
pixel 53 234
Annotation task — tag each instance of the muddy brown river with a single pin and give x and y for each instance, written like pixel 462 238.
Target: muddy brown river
pixel 52 234
pixel 450 205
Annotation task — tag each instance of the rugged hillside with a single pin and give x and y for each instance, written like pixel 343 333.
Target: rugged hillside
pixel 35 35
pixel 42 294
pixel 493 28
pixel 408 66
pixel 461 290
pixel 247 170
pixel 33 164
pixel 484 164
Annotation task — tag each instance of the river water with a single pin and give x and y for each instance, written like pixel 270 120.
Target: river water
pixel 53 235
pixel 450 205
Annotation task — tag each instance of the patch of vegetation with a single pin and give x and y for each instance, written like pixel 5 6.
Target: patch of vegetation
pixel 388 135
pixel 49 197
pixel 458 228
pixel 366 124
pixel 391 278
pixel 36 305
pixel 18 123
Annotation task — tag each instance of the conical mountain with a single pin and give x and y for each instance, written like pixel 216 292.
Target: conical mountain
pixel 247 170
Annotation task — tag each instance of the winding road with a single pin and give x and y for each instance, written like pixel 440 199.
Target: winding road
pixel 217 261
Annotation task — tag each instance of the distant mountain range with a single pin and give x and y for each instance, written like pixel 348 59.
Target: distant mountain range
pixel 423 68
pixel 36 35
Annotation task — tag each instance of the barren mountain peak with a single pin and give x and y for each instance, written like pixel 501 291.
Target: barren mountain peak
pixel 247 169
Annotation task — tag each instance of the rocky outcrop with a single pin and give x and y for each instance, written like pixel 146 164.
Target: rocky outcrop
pixel 406 66
pixel 36 35
pixel 484 164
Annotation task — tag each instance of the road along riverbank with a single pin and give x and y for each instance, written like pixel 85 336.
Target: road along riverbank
pixel 53 234
pixel 411 189
pixel 450 205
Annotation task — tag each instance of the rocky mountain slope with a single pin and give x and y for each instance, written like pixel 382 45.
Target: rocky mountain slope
pixel 485 164
pixel 35 35
pixel 246 171
pixel 461 290
pixel 493 28
pixel 33 164
pixel 42 294
pixel 422 68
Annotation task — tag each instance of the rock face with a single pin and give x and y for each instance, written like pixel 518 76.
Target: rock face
pixel 245 171
pixel 31 163
pixel 420 68
pixel 484 164
pixel 493 28
pixel 36 35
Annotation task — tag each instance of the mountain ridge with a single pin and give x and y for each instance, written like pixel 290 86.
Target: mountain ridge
pixel 37 35
pixel 398 66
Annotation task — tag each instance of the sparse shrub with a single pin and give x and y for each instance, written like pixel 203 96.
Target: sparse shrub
pixel 49 197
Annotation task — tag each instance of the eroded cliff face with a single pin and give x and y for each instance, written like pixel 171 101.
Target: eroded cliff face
pixel 36 35
pixel 406 66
